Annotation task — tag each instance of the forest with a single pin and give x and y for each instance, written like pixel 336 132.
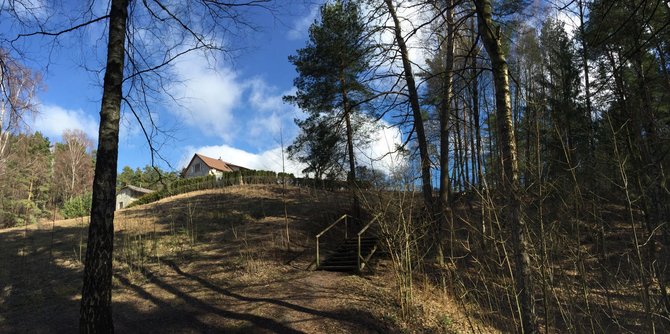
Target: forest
pixel 536 141
pixel 44 180
pixel 40 178
pixel 539 135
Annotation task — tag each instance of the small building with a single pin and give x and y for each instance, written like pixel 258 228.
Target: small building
pixel 201 165
pixel 129 194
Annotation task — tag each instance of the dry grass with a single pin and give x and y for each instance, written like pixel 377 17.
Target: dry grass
pixel 208 261
pixel 219 261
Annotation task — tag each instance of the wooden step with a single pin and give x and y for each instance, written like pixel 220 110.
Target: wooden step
pixel 344 258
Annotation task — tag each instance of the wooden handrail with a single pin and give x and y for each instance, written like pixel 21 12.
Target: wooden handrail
pixel 346 227
pixel 359 257
pixel 333 224
pixel 365 228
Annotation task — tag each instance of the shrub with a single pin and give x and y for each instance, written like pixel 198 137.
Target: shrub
pixel 210 182
pixel 79 206
pixel 7 219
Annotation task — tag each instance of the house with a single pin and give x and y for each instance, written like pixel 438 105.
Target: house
pixel 129 194
pixel 201 165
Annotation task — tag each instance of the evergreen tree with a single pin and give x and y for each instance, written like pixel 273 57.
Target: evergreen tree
pixel 149 177
pixel 566 126
pixel 330 80
pixel 25 185
pixel 319 146
pixel 627 42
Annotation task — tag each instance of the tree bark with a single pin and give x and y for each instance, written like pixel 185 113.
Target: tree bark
pixel 416 109
pixel 445 111
pixel 351 178
pixel 510 172
pixel 96 300
pixel 478 138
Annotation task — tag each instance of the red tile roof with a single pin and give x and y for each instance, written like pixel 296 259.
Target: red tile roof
pixel 214 163
pixel 138 189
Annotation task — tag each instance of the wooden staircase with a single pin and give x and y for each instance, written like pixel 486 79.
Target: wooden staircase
pixel 353 254
pixel 345 257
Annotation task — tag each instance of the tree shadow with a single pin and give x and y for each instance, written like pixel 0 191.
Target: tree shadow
pixel 41 278
pixel 40 281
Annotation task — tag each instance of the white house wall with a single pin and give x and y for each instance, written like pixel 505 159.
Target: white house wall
pixel 204 169
pixel 124 196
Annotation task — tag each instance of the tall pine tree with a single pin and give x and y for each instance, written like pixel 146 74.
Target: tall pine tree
pixel 331 71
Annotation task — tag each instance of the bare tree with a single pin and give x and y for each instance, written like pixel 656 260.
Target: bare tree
pixel 142 66
pixel 413 98
pixel 136 77
pixel 18 86
pixel 491 38
pixel 73 164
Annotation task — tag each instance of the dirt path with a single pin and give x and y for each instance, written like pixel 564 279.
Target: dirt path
pixel 207 262
pixel 294 302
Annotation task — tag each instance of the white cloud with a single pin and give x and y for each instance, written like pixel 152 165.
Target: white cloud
pixel 265 126
pixel 570 21
pixel 385 139
pixel 53 120
pixel 380 153
pixel 268 160
pixel 219 103
pixel 206 95
pixel 411 17
pixel 300 27
pixel 263 98
pixel 273 115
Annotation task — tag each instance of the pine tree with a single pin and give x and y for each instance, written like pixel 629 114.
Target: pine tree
pixel 318 146
pixel 331 66
pixel 330 74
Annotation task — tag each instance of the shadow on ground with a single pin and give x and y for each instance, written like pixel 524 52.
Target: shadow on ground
pixel 210 285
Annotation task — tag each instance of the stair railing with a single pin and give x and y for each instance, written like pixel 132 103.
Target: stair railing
pixel 360 257
pixel 344 218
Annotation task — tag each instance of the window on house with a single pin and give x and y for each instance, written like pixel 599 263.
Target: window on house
pixel 120 205
pixel 196 168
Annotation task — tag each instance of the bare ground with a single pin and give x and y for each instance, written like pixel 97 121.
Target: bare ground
pixel 210 261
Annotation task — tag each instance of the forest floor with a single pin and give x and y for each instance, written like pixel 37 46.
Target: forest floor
pixel 212 261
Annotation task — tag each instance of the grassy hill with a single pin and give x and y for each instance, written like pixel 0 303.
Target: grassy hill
pixel 210 261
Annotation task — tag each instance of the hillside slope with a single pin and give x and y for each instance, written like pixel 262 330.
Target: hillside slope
pixel 207 261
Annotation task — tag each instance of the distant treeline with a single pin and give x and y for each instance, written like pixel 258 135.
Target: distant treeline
pixel 40 177
pixel 239 178
pixel 211 182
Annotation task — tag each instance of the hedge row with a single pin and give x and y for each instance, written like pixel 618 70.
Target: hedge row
pixel 211 182
pixel 242 177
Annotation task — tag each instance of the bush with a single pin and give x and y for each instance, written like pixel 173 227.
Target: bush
pixel 79 206
pixel 210 182
pixel 7 219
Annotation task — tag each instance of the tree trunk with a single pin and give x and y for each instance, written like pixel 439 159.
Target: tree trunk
pixel 458 151
pixel 416 109
pixel 445 110
pixel 351 178
pixel 510 173
pixel 96 300
pixel 478 138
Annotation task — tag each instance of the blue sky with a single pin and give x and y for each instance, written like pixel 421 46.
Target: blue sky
pixel 232 107
pixel 229 107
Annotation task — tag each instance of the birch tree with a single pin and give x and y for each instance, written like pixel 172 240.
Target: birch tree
pixel 491 38
pixel 18 86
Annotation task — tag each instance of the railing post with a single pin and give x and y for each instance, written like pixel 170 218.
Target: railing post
pixel 317 253
pixel 358 258
pixel 346 227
